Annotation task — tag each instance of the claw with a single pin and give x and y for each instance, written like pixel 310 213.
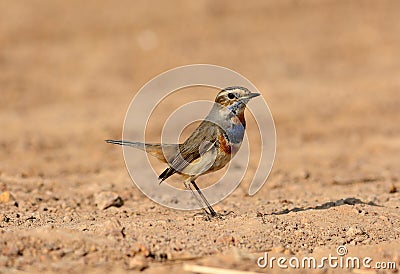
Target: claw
pixel 208 217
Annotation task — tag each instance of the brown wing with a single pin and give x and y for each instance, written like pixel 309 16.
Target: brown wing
pixel 205 134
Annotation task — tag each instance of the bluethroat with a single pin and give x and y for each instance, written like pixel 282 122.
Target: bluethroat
pixel 211 145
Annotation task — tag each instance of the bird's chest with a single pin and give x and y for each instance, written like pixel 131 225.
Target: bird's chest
pixel 235 131
pixel 235 136
pixel 232 136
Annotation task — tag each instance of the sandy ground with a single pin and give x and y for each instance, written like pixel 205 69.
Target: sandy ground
pixel 329 71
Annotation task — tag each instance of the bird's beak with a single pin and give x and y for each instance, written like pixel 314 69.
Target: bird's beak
pixel 252 95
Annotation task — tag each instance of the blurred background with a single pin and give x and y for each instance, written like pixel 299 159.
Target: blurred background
pixel 328 69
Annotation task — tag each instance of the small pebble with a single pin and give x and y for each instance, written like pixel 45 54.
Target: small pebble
pixel 108 199
pixel 138 263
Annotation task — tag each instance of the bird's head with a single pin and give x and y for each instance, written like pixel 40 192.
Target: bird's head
pixel 235 98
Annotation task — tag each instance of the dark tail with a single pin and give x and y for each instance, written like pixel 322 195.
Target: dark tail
pixel 155 150
pixel 166 173
pixel 138 145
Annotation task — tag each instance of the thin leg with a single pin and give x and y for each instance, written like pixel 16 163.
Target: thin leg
pixel 198 200
pixel 212 211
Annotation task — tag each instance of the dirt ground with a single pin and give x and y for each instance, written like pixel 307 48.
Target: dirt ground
pixel 329 71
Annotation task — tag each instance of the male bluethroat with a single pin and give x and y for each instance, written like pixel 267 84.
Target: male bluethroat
pixel 211 145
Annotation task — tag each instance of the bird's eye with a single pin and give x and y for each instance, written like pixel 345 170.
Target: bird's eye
pixel 231 96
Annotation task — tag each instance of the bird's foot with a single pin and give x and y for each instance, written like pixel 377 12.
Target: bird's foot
pixel 214 215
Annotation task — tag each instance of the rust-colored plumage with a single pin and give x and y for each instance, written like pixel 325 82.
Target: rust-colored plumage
pixel 211 145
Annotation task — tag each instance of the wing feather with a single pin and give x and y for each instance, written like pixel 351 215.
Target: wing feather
pixel 201 140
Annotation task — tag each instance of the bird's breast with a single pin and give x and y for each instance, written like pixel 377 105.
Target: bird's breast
pixel 235 131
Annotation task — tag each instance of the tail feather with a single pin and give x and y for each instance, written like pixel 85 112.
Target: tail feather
pixel 138 145
pixel 157 150
pixel 165 174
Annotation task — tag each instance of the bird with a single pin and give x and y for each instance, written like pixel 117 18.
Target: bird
pixel 209 148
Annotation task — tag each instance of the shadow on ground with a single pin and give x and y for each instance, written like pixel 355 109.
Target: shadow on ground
pixel 327 205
